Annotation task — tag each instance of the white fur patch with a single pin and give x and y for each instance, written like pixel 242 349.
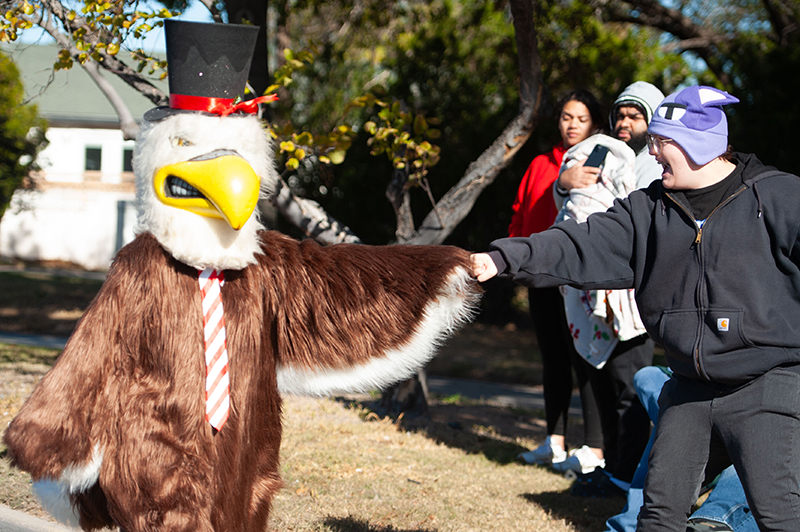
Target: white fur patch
pixel 54 494
pixel 197 240
pixel 454 307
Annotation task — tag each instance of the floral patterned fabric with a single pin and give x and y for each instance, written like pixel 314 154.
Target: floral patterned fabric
pixel 599 319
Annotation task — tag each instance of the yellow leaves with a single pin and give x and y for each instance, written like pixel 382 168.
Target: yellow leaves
pixel 326 149
pixel 100 26
pixel 402 136
pixel 305 138
pixel 64 61
pixel 337 156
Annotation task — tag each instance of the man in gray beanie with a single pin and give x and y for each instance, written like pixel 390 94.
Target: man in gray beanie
pixel 629 117
pixel 713 252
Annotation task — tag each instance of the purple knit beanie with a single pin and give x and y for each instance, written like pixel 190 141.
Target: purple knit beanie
pixel 693 117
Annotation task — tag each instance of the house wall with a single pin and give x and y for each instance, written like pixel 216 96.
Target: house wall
pixel 74 215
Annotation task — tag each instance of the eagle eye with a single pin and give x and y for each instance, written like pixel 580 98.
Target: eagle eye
pixel 180 141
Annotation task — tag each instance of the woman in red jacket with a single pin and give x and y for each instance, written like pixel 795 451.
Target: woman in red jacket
pixel 534 211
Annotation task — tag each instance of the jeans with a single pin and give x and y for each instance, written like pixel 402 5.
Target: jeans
pixel 648 383
pixel 727 504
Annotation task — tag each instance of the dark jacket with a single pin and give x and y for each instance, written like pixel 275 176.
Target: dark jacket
pixel 724 302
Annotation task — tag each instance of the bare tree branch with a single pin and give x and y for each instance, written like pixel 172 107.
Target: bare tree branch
pixel 784 17
pixel 398 196
pixel 703 41
pixel 456 204
pixel 308 216
pixel 128 125
pixel 109 62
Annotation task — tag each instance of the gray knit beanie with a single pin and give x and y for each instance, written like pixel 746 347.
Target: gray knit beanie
pixel 641 94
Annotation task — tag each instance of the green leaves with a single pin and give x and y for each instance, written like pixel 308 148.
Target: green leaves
pixel 299 61
pixel 22 133
pixel 401 135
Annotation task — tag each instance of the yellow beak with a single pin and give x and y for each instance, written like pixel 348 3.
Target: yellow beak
pixel 220 184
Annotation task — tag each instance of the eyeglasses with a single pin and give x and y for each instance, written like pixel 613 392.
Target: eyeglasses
pixel 656 143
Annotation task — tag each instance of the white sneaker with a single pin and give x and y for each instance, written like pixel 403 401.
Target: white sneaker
pixel 547 453
pixel 581 461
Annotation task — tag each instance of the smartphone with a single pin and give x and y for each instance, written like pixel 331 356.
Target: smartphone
pixel 597 157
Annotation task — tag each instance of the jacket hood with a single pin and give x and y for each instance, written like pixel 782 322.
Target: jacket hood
pixel 645 95
pixel 754 169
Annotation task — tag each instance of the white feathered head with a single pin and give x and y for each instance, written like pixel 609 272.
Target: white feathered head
pixel 200 169
pixel 198 180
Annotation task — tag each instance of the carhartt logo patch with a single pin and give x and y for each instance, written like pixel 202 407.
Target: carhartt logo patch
pixel 723 324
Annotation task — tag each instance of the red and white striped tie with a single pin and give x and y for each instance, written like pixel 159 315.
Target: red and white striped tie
pixel 217 381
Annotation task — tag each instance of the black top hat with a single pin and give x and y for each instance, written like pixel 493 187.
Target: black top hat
pixel 207 66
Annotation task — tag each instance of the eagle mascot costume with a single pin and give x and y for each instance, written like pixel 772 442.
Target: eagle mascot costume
pixel 163 413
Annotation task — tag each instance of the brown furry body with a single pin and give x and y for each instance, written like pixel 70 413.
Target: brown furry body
pixel 131 379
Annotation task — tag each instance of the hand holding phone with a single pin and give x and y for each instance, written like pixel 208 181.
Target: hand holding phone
pixel 597 157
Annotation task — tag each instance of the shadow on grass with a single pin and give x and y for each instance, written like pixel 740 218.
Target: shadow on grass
pixel 585 514
pixel 36 303
pixel 476 429
pixel 351 524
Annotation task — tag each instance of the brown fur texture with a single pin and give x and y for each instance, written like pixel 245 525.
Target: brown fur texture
pixel 131 379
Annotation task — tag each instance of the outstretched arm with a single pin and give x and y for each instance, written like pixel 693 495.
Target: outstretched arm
pixel 356 318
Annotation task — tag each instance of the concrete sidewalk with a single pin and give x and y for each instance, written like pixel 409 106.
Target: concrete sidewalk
pixel 14 521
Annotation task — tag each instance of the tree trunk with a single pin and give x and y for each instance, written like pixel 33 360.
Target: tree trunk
pixel 411 396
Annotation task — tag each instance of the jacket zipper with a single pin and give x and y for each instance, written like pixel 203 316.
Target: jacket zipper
pixel 699 301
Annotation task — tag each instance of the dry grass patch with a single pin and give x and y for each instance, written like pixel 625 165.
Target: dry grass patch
pixel 343 474
pixel 346 470
pixel 21 368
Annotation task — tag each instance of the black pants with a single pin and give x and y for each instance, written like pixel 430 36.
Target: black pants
pixel 626 425
pixel 703 428
pixel 559 358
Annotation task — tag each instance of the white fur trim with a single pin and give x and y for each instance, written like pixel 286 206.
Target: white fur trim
pixel 454 307
pixel 197 240
pixel 54 494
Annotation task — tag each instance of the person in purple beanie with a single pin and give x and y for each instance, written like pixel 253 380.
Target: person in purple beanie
pixel 713 252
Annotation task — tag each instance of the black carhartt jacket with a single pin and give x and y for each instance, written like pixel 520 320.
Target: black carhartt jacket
pixel 724 301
